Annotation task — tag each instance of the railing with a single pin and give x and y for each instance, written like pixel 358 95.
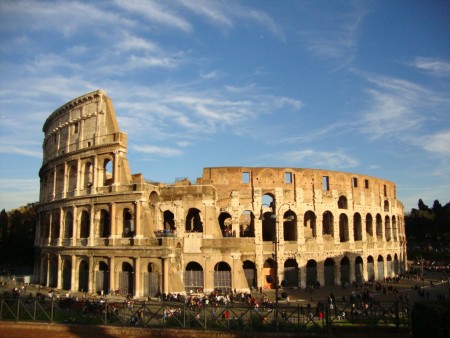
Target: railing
pixel 321 319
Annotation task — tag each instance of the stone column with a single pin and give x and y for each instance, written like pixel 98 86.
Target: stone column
pixel 234 273
pixel 61 226
pixel 112 273
pixel 137 277
pixel 91 225
pixel 165 274
pixel 73 274
pixel 80 178
pixel 59 277
pixel 112 211
pixel 91 278
pixel 74 225
pixel 319 228
pixel 137 225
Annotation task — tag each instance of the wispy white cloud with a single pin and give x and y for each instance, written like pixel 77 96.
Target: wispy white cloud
pixel 155 150
pixel 311 158
pixel 438 143
pixel 338 39
pixel 435 66
pixel 155 12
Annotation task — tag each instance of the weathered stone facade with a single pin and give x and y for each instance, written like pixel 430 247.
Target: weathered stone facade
pixel 102 228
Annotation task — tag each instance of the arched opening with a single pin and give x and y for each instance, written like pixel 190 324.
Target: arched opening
pixel 55 225
pixel 359 276
pixel 379 222
pixel 250 274
pixel 102 279
pixel 247 224
pixel 342 202
pixel 394 228
pixel 193 221
pixel 396 265
pixel 108 172
pixel 53 271
pixel 169 221
pixel 329 271
pixel 345 271
pixel 151 281
pixel 370 268
pixel 128 223
pixel 369 225
pixel 222 277
pixel 193 277
pixel 268 225
pixel 357 227
pixel 72 178
pixel 389 266
pixel 83 276
pixel 309 222
pixel 126 280
pixel 290 226
pixel 269 274
pixel 387 228
pixel 327 223
pixel 225 223
pixel 59 182
pixel 68 225
pixel 105 224
pixel 380 262
pixel 66 275
pixel 290 273
pixel 88 175
pixel 85 224
pixel 343 228
pixel 386 206
pixel 311 273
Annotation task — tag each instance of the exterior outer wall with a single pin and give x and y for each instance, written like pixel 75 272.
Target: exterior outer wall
pixel 85 175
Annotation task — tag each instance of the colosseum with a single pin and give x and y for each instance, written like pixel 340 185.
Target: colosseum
pixel 102 229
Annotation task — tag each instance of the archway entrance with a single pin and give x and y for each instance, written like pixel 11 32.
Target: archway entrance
pixel 126 280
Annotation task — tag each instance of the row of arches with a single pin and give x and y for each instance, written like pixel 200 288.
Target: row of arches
pixel 75 276
pixel 79 175
pixel 84 225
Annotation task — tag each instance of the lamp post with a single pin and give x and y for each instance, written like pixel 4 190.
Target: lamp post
pixel 274 217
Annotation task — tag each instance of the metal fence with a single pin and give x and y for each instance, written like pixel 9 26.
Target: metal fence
pixel 320 318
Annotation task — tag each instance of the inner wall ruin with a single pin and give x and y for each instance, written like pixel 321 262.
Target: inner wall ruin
pixel 102 229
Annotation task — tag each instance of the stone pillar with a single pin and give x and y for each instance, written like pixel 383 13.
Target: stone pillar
pixel 116 167
pixel 336 231
pixel 165 274
pixel 112 212
pixel 73 274
pixel 351 231
pixel 91 278
pixel 206 278
pixel 234 271
pixel 74 225
pixel 91 225
pixel 137 277
pixel 320 274
pixel 337 274
pixel 319 229
pixel 58 274
pixel 112 273
pixel 80 178
pixel 352 270
pixel 137 225
pixel 61 226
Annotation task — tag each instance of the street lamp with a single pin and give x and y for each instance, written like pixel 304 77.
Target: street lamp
pixel 274 217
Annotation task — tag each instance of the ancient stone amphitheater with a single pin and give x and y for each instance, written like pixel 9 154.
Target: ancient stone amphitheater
pixel 103 229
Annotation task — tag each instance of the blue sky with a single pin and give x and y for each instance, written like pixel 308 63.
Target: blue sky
pixel 355 86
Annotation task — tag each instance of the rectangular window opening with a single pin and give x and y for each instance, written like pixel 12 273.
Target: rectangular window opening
pixel 326 183
pixel 385 190
pixel 245 177
pixel 366 184
pixel 355 182
pixel 288 178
